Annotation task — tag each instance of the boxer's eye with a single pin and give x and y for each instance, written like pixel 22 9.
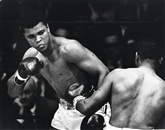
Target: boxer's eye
pixel 31 36
pixel 41 32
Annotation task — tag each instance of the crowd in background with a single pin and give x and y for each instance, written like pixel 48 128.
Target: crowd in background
pixel 109 29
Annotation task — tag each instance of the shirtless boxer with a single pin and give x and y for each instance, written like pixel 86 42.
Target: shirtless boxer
pixel 64 63
pixel 136 95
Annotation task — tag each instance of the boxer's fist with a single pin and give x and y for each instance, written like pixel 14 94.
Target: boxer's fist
pixel 74 90
pixel 28 67
pixel 94 122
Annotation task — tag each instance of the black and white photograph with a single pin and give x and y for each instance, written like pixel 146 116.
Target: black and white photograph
pixel 82 64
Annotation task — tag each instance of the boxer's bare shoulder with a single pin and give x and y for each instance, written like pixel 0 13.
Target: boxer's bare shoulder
pixel 62 41
pixel 125 77
pixel 69 48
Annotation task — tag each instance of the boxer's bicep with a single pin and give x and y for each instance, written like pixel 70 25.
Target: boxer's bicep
pixel 88 62
pixel 84 59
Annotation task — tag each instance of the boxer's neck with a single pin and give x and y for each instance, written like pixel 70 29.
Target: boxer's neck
pixel 53 51
pixel 148 65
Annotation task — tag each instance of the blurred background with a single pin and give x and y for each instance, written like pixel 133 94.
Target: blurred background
pixel 109 28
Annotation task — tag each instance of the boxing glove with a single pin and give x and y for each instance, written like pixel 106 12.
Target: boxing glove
pixel 28 67
pixel 94 122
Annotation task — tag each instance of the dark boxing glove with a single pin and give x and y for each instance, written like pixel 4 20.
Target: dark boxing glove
pixel 94 122
pixel 28 67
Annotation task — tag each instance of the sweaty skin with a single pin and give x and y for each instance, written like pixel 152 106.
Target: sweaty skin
pixel 136 96
pixel 67 64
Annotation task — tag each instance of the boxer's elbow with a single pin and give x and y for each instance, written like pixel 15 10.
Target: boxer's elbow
pixel 105 70
pixel 85 108
pixel 102 74
pixel 82 107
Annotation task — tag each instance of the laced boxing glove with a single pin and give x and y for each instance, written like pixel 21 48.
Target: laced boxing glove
pixel 28 67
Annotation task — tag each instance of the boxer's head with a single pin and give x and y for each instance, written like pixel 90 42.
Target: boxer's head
pixel 147 50
pixel 30 17
pixel 36 31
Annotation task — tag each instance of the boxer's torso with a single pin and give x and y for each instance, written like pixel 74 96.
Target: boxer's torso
pixel 61 74
pixel 138 99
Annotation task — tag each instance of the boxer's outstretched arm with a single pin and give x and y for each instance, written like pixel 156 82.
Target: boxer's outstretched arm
pixel 15 89
pixel 90 105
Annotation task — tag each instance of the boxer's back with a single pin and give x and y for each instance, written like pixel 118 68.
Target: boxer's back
pixel 138 98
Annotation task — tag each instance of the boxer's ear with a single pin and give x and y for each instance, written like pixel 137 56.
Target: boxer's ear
pixel 160 60
pixel 48 27
pixel 137 58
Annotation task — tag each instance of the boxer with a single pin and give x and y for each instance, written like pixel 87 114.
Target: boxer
pixel 64 63
pixel 136 95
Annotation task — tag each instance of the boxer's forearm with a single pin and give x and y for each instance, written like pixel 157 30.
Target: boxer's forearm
pixel 14 90
pixel 90 105
pixel 96 101
pixel 28 67
pixel 84 107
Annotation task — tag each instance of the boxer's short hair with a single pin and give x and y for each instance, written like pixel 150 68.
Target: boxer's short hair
pixel 30 18
pixel 148 49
